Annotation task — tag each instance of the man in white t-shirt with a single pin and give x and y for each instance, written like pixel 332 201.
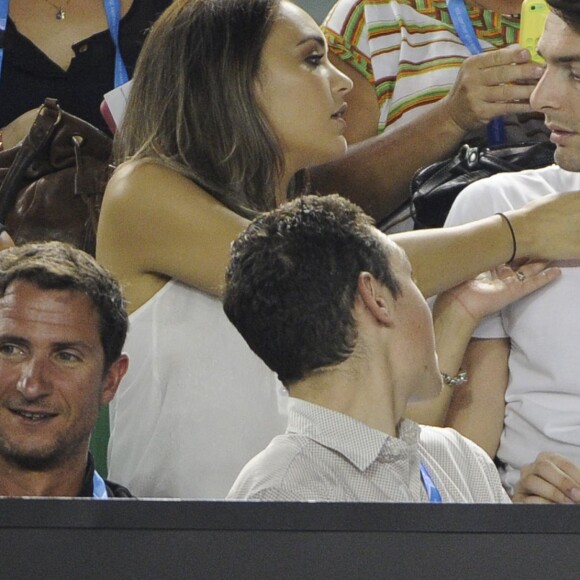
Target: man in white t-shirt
pixel 522 403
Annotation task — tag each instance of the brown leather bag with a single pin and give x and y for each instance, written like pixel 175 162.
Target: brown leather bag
pixel 52 184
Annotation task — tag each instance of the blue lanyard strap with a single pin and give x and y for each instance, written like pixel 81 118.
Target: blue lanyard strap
pixel 99 487
pixel 430 487
pixel 4 6
pixel 113 11
pixel 464 28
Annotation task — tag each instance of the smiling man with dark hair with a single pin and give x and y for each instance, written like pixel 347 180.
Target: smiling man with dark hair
pixel 62 327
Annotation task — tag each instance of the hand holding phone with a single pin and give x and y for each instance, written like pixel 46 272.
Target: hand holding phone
pixel 532 22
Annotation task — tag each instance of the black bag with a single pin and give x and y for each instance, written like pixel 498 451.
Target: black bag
pixel 435 187
pixel 52 184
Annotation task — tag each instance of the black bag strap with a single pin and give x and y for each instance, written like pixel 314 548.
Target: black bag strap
pixel 40 133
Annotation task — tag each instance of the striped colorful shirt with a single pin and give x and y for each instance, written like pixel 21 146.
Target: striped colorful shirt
pixel 411 53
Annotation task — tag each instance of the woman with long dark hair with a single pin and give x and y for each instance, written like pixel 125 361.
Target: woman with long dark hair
pixel 232 100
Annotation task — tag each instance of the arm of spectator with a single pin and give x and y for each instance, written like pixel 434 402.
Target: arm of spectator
pixel 456 314
pixel 547 229
pixel 551 478
pixel 15 131
pixel 377 169
pixel 156 224
pixel 477 408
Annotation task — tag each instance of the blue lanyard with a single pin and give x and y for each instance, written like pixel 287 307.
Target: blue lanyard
pixel 4 6
pixel 99 488
pixel 430 487
pixel 113 11
pixel 464 28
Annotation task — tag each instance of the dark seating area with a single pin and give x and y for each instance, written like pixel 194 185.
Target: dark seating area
pixel 192 539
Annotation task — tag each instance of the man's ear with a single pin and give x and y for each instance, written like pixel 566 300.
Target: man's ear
pixel 378 300
pixel 113 377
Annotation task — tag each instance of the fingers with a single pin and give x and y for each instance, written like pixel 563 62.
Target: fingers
pixel 507 93
pixel 497 66
pixel 508 83
pixel 551 478
pixel 513 54
pixel 509 75
pixel 532 281
pixel 492 84
pixel 527 278
pixel 491 293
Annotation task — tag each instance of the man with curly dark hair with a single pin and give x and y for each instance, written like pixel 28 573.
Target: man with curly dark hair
pixel 329 303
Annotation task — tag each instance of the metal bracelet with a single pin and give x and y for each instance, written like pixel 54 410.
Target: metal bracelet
pixel 459 379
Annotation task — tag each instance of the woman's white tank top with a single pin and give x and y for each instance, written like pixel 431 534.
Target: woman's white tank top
pixel 196 403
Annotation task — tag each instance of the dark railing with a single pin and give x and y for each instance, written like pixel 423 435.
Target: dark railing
pixel 144 539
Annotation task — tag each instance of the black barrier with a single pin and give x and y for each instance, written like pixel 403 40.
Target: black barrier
pixel 190 539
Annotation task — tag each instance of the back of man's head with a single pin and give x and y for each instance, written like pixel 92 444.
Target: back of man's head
pixel 568 11
pixel 292 282
pixel 59 266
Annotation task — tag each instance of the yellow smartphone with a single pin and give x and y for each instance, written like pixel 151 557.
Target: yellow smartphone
pixel 532 22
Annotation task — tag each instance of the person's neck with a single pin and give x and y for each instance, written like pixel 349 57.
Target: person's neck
pixel 355 390
pixel 62 481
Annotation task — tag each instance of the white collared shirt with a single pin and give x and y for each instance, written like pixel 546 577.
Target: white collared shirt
pixel 328 456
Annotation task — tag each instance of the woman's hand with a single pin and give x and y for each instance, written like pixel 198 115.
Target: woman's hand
pixel 492 291
pixel 456 314
pixel 551 478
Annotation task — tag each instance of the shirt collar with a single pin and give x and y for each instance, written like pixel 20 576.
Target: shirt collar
pixel 356 441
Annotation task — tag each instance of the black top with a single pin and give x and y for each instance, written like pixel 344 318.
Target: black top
pixel 28 76
pixel 113 489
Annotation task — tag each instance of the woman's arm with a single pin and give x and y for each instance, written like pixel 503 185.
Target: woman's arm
pixel 157 224
pixel 456 314
pixel 477 408
pixel 547 229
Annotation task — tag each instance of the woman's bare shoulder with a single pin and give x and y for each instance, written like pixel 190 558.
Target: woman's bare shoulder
pixel 156 221
pixel 141 177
